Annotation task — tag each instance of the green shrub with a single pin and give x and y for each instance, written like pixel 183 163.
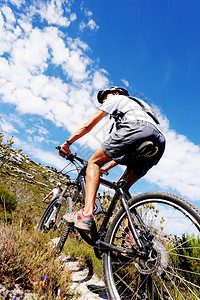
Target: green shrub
pixel 27 258
pixel 7 199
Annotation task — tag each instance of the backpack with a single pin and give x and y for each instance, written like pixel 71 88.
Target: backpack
pixel 147 108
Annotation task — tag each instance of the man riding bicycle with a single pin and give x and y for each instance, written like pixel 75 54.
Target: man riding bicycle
pixel 136 126
pixel 57 190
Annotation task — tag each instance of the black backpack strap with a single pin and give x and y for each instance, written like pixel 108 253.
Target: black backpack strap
pixel 147 108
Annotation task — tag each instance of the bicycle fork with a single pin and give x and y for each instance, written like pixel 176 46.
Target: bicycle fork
pixel 102 245
pixel 144 239
pixel 131 223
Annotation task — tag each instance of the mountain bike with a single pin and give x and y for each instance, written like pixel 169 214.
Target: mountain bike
pixel 158 255
pixel 51 220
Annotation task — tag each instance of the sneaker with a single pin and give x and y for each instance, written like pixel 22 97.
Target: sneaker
pixel 81 221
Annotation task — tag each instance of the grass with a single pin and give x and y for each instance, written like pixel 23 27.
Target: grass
pixel 26 258
pixel 80 249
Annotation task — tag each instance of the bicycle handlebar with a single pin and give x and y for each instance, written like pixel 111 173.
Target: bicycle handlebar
pixel 73 157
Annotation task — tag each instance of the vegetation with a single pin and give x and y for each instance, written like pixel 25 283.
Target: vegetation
pixel 27 181
pixel 8 203
pixel 78 248
pixel 27 258
pixel 190 248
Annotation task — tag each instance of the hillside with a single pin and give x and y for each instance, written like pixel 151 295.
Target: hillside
pixel 28 264
pixel 28 180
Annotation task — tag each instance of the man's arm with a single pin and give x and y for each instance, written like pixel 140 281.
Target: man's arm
pixel 51 193
pixel 84 129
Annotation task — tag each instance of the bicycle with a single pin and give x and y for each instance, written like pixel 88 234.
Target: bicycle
pixel 51 220
pixel 159 258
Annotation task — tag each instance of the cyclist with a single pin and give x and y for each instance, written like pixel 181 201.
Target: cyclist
pixel 57 190
pixel 135 124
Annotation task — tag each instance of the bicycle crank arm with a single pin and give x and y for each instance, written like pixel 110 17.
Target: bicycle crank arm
pixel 105 246
pixel 86 237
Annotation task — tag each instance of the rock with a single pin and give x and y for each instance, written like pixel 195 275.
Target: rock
pixel 89 285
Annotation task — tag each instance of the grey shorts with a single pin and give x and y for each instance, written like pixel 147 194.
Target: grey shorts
pixel 122 144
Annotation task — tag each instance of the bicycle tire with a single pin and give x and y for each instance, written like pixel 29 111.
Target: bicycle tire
pixel 63 238
pixel 65 207
pixel 76 205
pixel 175 273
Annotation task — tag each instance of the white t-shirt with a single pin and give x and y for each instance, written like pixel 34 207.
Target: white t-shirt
pixel 132 110
pixel 56 191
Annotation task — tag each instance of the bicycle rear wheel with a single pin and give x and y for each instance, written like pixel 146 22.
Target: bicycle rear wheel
pixel 173 269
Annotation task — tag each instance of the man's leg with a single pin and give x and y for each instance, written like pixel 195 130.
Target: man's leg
pixel 132 178
pixel 97 160
pixel 83 219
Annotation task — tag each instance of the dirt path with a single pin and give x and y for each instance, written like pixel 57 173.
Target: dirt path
pixel 90 286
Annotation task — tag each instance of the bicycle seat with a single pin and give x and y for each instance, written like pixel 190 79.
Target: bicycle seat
pixel 147 149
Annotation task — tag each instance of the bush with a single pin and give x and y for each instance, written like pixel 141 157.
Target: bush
pixel 27 259
pixel 7 199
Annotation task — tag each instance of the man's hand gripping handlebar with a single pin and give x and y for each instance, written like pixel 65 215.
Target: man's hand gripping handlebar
pixel 71 157
pixel 62 151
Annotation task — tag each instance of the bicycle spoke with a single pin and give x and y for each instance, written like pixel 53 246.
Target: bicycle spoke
pixel 186 271
pixel 157 289
pixel 172 270
pixel 166 289
pixel 183 279
pixel 185 256
pixel 185 242
pixel 184 282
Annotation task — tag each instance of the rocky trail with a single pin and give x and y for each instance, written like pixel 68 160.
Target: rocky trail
pixel 87 284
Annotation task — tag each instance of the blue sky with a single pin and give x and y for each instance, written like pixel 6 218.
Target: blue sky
pixel 56 55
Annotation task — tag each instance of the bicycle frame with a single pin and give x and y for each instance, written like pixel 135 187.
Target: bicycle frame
pixel 147 247
pixel 97 238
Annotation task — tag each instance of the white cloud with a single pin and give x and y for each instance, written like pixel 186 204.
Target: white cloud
pixel 125 82
pixel 179 169
pixel 68 97
pixel 86 11
pixel 24 82
pixel 8 32
pixel 91 24
pixel 100 80
pixel 35 153
pixel 18 3
pixel 7 127
pixel 53 12
pixel 76 66
pixel 7 12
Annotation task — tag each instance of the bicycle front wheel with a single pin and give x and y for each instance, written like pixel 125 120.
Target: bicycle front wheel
pixel 172 271
pixel 51 220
